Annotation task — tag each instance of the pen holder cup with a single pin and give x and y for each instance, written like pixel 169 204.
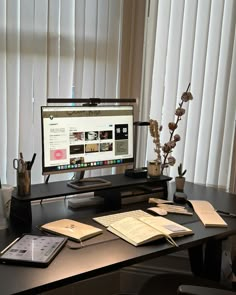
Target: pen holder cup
pixel 24 183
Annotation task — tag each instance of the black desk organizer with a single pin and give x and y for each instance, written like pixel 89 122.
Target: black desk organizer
pixel 21 206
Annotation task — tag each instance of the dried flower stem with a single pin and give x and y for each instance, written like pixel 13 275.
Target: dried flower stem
pixel 154 131
pixel 172 134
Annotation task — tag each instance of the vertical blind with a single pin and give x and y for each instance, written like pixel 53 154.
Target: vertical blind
pixel 195 42
pixel 48 48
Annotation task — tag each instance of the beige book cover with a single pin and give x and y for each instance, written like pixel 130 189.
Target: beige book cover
pixel 72 229
pixel 139 231
pixel 207 214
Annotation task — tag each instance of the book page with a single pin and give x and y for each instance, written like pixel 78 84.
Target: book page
pixel 207 214
pixel 134 231
pixel 166 226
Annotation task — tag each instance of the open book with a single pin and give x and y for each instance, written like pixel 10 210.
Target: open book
pixel 146 229
pixel 207 214
pixel 72 229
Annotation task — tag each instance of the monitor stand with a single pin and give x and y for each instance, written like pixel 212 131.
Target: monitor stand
pixel 84 184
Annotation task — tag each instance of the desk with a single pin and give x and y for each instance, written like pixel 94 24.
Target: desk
pixel 104 253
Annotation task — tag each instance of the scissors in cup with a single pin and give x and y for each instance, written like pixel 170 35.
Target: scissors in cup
pixel 19 165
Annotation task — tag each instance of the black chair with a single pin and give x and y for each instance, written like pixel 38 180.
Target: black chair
pixel 197 290
pixel 169 283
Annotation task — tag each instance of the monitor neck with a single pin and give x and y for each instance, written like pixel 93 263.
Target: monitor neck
pixel 79 175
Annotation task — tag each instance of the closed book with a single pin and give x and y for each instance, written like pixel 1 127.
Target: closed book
pixel 207 214
pixel 72 229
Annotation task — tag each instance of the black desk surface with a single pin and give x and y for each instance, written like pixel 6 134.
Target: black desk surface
pixel 106 252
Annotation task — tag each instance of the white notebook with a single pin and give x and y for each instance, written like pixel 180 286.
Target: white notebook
pixel 72 229
pixel 207 214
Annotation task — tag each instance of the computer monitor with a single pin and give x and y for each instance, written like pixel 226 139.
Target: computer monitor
pixel 80 138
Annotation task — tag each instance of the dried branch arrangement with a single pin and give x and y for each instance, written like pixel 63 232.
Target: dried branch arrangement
pixel 167 159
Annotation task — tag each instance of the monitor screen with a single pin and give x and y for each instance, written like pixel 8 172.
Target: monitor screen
pixel 76 138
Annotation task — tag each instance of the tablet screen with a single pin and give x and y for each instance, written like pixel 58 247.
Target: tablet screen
pixel 33 249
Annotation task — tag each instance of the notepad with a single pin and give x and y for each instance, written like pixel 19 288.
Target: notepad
pixel 72 229
pixel 207 214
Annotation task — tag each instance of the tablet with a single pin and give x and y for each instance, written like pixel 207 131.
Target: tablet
pixel 32 250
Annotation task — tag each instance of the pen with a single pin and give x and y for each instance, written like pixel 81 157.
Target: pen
pixel 5 249
pixel 32 161
pixel 0 184
pixel 226 213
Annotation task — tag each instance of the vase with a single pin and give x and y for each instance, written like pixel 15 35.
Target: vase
pixel 154 169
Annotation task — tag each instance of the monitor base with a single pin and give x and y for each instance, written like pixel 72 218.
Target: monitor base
pixel 87 184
